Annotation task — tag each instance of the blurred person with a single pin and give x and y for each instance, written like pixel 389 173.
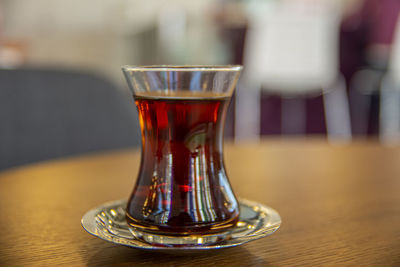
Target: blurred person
pixel 12 52
pixel 365 44
pixel 231 19
pixel 367 33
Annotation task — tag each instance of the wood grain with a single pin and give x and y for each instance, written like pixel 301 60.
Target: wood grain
pixel 340 206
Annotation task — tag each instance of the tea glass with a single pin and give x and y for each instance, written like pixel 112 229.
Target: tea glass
pixel 182 193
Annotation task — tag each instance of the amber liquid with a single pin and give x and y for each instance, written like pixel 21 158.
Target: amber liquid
pixel 182 187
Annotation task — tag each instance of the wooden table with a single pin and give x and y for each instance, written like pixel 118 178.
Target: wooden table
pixel 340 205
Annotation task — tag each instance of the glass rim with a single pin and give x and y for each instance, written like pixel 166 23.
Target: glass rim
pixel 204 68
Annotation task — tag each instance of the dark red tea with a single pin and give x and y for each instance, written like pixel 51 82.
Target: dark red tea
pixel 182 186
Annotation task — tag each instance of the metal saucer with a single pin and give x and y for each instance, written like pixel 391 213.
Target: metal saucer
pixel 108 223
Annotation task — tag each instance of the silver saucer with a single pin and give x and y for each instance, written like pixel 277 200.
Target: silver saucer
pixel 108 223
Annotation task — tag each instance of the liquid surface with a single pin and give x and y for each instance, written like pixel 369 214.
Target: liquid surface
pixel 182 186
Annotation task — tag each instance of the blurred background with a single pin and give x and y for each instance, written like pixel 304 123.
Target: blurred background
pixel 312 67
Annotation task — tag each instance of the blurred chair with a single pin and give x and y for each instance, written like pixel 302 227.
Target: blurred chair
pixel 389 116
pixel 292 50
pixel 47 114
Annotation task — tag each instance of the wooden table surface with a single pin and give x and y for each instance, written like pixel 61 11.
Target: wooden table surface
pixel 340 206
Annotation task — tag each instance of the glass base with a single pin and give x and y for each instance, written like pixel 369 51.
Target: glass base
pixel 179 240
pixel 168 230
